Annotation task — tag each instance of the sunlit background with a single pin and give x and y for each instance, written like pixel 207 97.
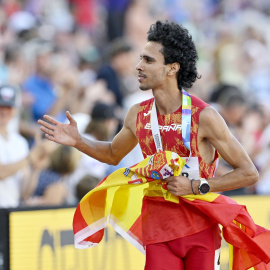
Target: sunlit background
pixel 70 55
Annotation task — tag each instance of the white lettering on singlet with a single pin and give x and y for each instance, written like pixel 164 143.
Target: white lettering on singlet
pixel 172 127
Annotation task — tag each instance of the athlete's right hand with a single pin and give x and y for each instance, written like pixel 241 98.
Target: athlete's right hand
pixel 58 132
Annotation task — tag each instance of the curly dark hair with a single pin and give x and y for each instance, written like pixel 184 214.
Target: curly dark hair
pixel 178 47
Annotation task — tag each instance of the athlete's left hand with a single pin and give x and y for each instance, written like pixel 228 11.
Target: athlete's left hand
pixel 179 185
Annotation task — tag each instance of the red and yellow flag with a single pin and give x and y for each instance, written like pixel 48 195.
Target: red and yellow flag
pixel 117 200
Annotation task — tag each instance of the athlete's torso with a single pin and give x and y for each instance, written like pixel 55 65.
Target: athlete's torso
pixel 163 221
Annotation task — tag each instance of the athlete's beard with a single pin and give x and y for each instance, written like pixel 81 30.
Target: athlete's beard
pixel 144 87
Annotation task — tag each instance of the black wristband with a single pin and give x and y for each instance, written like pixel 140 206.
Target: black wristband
pixel 192 187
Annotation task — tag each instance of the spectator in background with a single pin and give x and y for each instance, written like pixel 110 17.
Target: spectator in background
pixel 40 89
pixel 39 84
pixel 230 102
pixel 222 89
pixel 84 12
pixel 116 17
pixel 253 126
pixel 89 89
pixel 87 183
pixel 13 69
pixel 119 65
pixel 15 158
pixel 138 16
pixel 256 62
pixel 257 135
pixel 104 121
pixel 47 186
pixel 23 24
pixel 88 62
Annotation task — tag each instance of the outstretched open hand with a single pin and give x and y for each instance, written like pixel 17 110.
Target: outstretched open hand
pixel 58 132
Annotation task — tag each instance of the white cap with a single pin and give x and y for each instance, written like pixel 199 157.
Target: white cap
pixel 21 20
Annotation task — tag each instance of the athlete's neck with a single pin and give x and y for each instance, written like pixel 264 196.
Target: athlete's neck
pixel 167 101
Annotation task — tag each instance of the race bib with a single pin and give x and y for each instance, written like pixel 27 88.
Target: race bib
pixel 191 169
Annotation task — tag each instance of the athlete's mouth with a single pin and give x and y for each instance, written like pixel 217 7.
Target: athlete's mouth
pixel 141 77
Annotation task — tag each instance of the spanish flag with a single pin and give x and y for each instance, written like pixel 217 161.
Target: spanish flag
pixel 117 200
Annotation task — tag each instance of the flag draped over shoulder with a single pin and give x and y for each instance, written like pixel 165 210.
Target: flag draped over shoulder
pixel 117 200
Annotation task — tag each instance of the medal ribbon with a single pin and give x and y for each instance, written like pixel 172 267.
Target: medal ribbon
pixel 186 122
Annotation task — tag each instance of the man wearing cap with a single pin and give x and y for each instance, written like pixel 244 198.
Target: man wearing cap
pixel 104 121
pixel 14 151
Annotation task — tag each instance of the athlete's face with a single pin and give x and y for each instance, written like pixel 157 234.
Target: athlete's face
pixel 151 68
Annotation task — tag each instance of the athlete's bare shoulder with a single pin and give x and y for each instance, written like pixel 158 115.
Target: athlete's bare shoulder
pixel 208 114
pixel 211 124
pixel 131 118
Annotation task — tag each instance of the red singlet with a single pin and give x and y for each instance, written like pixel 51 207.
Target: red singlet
pixel 164 221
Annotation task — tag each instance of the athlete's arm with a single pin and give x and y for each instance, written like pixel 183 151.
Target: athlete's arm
pixel 107 152
pixel 213 128
pixel 122 144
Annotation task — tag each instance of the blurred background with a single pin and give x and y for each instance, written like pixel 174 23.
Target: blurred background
pixel 80 55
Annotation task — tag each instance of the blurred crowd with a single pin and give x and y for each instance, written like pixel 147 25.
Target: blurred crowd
pixel 80 55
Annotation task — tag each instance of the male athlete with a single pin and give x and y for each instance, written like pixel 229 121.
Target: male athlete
pixel 175 237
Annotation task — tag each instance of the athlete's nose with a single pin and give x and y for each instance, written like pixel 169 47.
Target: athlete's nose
pixel 139 66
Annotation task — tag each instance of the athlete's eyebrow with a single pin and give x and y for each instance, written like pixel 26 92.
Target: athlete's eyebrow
pixel 147 57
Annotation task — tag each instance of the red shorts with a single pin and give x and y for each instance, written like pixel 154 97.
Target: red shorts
pixel 197 251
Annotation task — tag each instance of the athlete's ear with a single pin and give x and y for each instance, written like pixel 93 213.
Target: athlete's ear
pixel 173 68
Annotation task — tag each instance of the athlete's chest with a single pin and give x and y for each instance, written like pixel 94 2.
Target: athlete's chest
pixel 168 124
pixel 170 128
